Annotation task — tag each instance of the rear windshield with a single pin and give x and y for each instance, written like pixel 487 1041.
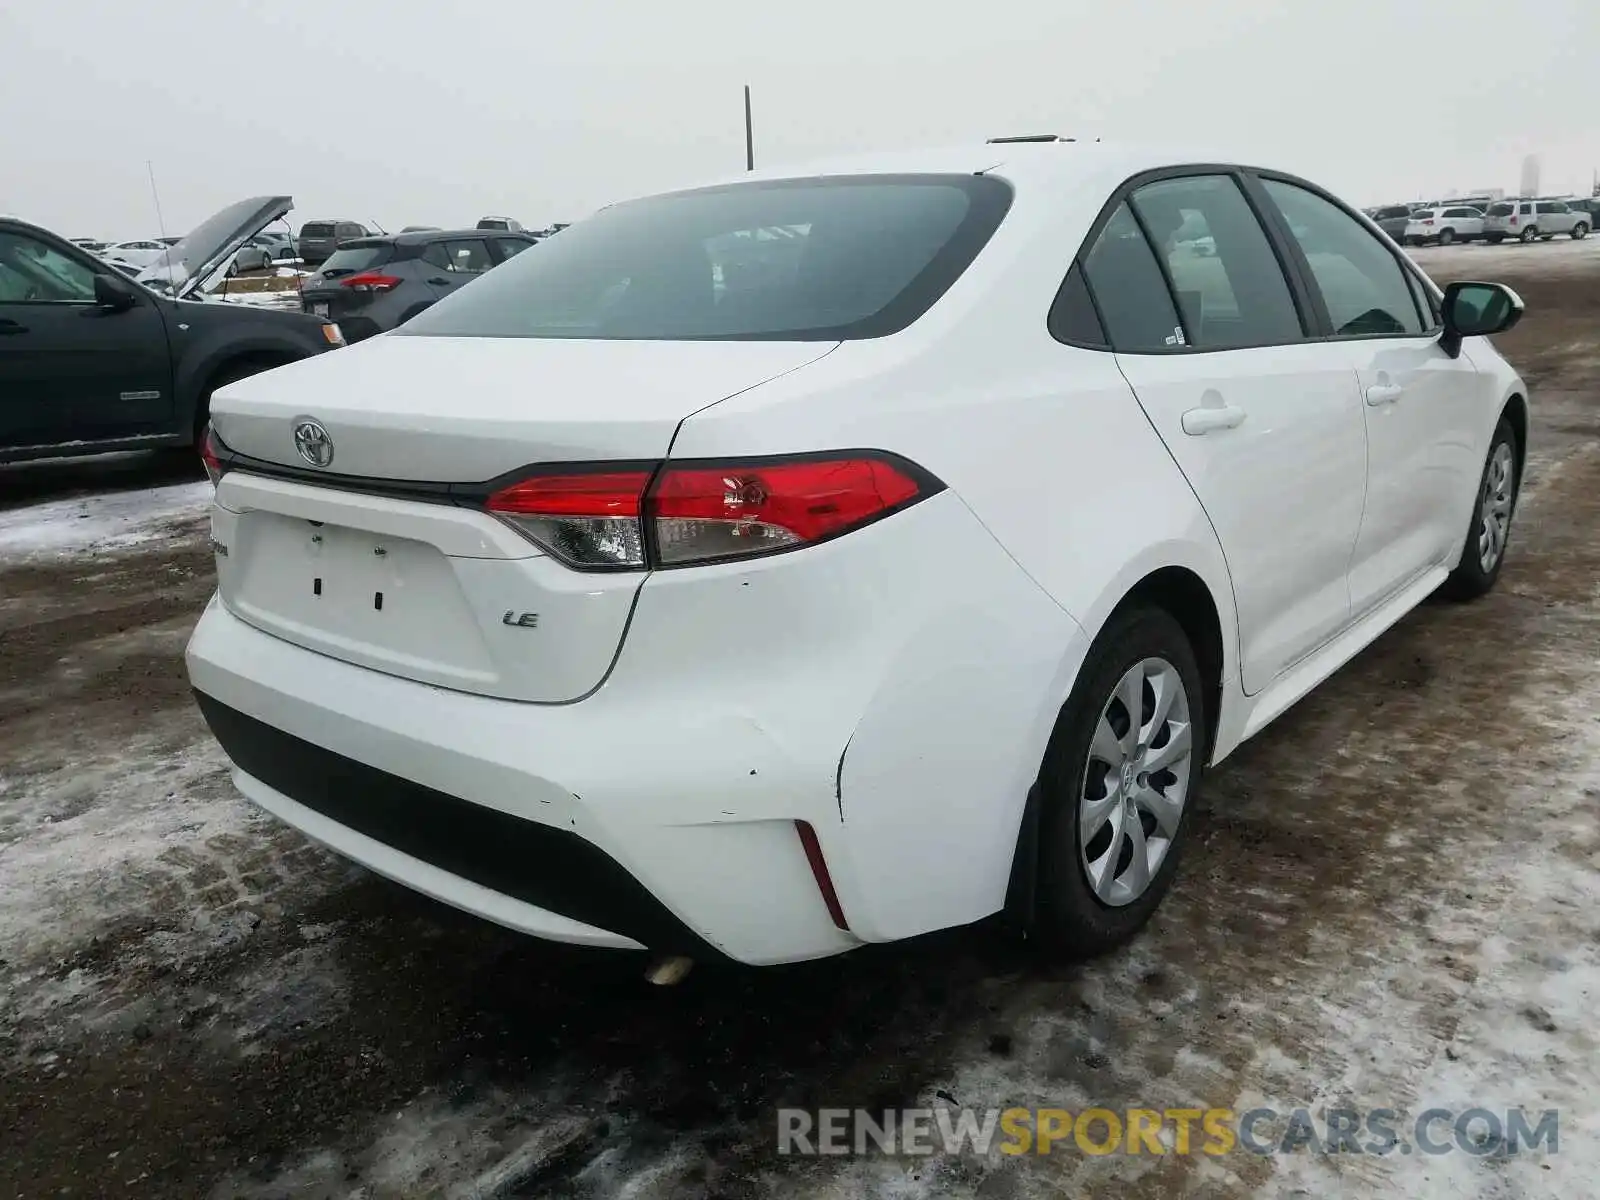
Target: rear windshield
pixel 787 260
pixel 317 230
pixel 356 256
pixel 1397 210
pixel 1422 214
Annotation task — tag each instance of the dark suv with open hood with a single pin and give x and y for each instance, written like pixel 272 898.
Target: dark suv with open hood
pixel 91 360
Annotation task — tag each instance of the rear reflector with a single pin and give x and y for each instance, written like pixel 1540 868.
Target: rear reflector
pixel 819 872
pixel 706 512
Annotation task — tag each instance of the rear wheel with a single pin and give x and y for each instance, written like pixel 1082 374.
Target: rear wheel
pixel 1494 239
pixel 1529 234
pixel 1580 231
pixel 1484 551
pixel 1446 236
pixel 1118 784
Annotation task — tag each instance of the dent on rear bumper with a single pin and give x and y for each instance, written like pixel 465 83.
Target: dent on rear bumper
pixel 916 642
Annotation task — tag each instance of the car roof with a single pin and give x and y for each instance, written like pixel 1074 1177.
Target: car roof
pixel 1023 162
pixel 418 237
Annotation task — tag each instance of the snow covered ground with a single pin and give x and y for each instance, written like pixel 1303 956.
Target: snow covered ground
pixel 101 524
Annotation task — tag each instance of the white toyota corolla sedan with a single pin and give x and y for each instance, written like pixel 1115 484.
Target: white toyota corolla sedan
pixel 828 556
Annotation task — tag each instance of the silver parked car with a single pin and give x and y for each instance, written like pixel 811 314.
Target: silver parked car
pixel 1530 220
pixel 1392 218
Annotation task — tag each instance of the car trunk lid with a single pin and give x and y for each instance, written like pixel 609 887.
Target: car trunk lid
pixel 383 559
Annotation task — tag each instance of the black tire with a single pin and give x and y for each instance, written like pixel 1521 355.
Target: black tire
pixel 1471 579
pixel 1069 919
pixel 1494 239
pixel 1446 236
pixel 1529 234
pixel 1580 231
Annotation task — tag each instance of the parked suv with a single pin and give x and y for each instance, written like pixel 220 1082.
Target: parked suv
pixel 376 283
pixel 319 239
pixel 1443 225
pixel 1529 220
pixel 1392 219
pixel 91 361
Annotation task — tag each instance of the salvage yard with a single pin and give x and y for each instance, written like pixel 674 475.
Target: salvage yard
pixel 1392 899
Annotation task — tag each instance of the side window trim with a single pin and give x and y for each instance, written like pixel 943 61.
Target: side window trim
pixel 1280 231
pixel 1309 310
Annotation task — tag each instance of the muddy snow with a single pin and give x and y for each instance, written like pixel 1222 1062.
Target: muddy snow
pixel 1392 902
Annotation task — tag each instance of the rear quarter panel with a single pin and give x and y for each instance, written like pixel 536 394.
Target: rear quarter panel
pixel 1046 446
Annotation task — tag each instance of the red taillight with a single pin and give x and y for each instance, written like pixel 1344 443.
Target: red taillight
pixel 1513 220
pixel 1428 221
pixel 209 443
pixel 699 512
pixel 705 513
pixel 371 281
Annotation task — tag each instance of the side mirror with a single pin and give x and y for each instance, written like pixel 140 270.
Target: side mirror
pixel 1476 310
pixel 113 294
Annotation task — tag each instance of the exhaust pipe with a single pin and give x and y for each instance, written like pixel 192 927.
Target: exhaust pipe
pixel 665 972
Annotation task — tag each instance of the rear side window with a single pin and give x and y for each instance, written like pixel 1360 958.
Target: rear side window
pixel 1393 211
pixel 1526 210
pixel 1463 212
pixel 797 260
pixel 468 255
pixel 1122 272
pixel 357 256
pixel 1072 316
pixel 1553 208
pixel 1363 285
pixel 1230 287
pixel 349 230
pixel 510 246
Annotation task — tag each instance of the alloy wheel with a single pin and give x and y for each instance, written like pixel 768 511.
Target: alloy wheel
pixel 1135 782
pixel 1494 511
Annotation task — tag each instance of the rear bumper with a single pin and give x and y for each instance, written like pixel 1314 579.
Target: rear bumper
pixel 478 803
pixel 460 853
pixel 893 689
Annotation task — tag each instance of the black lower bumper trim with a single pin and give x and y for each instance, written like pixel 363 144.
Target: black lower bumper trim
pixel 551 868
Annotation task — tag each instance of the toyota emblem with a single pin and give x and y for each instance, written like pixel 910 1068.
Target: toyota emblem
pixel 313 442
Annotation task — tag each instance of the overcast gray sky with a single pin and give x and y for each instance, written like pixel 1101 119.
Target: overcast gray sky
pixel 414 112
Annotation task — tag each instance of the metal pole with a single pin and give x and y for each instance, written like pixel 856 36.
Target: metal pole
pixel 156 196
pixel 749 134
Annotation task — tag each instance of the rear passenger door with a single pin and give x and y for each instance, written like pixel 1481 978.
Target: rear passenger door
pixel 1425 411
pixel 1265 423
pixel 455 263
pixel 1556 217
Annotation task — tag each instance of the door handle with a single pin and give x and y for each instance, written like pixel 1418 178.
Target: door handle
pixel 1380 394
pixel 9 327
pixel 1198 422
pixel 437 282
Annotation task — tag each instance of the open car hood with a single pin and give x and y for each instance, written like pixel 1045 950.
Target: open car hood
pixel 205 252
